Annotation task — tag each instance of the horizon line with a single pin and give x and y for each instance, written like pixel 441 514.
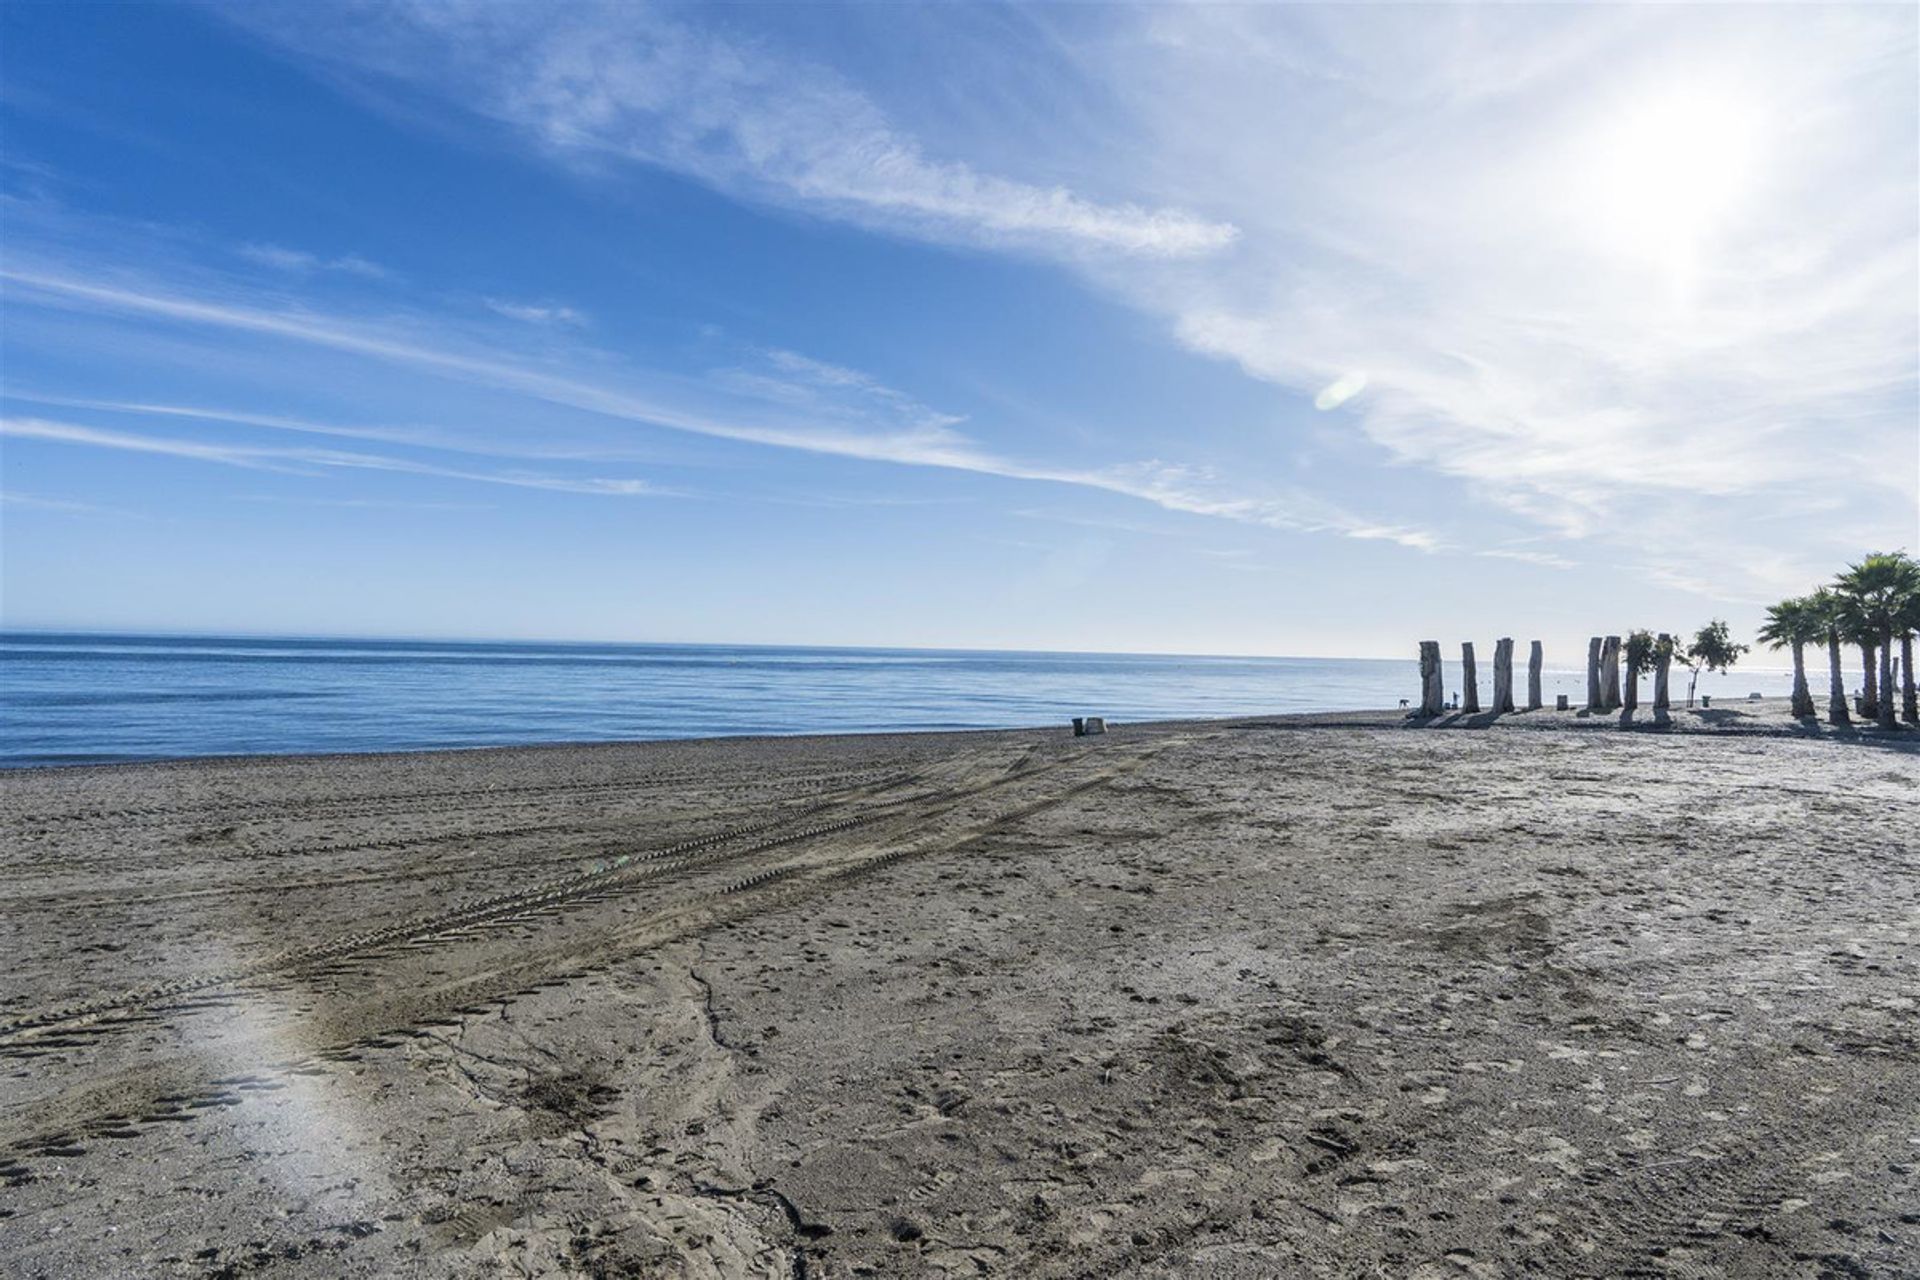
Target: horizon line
pixel 8 630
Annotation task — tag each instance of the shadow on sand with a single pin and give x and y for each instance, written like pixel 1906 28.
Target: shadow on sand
pixel 1710 721
pixel 1465 719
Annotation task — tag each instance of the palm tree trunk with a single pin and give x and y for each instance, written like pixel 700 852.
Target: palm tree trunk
pixel 1836 682
pixel 1802 698
pixel 1885 711
pixel 1909 695
pixel 1870 684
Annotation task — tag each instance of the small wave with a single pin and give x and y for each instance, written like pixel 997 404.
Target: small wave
pixel 155 698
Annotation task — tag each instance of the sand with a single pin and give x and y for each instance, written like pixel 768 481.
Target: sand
pixel 1289 997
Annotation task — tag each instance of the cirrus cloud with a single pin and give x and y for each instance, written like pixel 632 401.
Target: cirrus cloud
pixel 626 82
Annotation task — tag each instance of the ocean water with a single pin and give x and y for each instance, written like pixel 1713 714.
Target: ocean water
pixel 74 699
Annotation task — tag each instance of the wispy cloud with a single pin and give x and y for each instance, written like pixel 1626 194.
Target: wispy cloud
pixel 1545 559
pixel 909 435
pixel 1599 269
pixel 537 313
pixel 1160 530
pixel 445 438
pixel 485 368
pixel 272 421
pixel 35 502
pixel 305 461
pixel 300 262
pixel 1202 491
pixel 371 504
pixel 199 451
pixel 828 392
pixel 625 82
pixel 1617 277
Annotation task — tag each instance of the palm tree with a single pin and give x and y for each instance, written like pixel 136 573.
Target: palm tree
pixel 1877 590
pixel 1794 624
pixel 1857 629
pixel 1906 623
pixel 1824 605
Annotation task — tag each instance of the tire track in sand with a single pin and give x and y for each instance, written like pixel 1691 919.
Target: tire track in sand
pixel 113 1107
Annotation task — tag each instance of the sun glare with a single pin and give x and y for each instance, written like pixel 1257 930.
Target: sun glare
pixel 1670 173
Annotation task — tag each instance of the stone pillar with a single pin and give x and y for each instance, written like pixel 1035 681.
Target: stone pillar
pixel 1662 661
pixel 1909 695
pixel 1593 674
pixel 1610 672
pixel 1503 676
pixel 1534 662
pixel 1469 684
pixel 1433 695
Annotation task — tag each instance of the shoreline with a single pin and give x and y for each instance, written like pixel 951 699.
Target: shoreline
pixel 1763 716
pixel 162 699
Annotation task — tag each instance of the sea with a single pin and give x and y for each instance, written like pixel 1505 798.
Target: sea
pixel 70 698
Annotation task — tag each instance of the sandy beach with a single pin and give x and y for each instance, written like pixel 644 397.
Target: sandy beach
pixel 1301 996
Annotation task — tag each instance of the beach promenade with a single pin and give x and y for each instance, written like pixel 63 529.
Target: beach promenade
pixel 1292 996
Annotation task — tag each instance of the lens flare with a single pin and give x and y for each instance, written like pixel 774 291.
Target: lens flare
pixel 1340 390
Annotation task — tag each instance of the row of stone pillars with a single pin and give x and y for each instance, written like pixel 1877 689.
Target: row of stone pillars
pixel 1605 690
pixel 1433 698
pixel 1604 687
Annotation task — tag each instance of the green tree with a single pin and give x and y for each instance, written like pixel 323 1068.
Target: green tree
pixel 1795 624
pixel 1824 604
pixel 1713 649
pixel 1857 630
pixel 1638 652
pixel 1908 620
pixel 1877 591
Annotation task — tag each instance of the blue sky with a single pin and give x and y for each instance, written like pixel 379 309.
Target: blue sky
pixel 1192 329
